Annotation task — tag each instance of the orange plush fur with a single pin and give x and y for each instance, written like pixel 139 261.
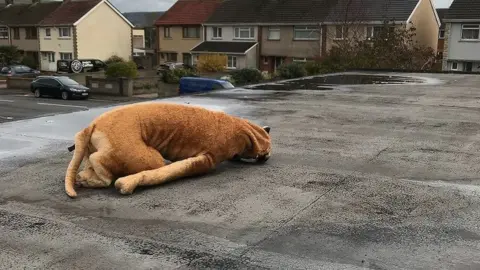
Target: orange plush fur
pixel 131 142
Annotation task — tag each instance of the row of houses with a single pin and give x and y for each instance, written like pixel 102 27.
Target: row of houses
pixel 459 39
pixel 264 34
pixel 48 31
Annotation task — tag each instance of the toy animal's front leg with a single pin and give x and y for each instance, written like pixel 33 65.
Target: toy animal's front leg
pixel 184 168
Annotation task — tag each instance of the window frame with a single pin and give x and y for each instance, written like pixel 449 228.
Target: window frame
pixel 440 36
pixel 31 33
pixel 62 54
pixel 308 29
pixel 61 33
pixel 237 34
pixel 273 29
pixel 185 32
pixel 342 29
pixel 470 26
pixel 456 68
pixel 4 29
pixel 217 32
pixel 166 29
pixel 233 59
pixel 16 33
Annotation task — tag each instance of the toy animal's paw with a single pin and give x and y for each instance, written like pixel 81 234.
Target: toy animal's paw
pixel 124 185
pixel 81 180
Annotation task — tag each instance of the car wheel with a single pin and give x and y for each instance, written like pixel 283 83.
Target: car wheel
pixel 65 95
pixel 37 93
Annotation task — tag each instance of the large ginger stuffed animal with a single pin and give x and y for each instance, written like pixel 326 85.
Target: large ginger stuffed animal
pixel 131 143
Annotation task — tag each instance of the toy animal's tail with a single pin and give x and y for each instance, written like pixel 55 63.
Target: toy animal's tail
pixel 82 139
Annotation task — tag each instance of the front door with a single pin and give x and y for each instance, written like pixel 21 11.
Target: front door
pixel 468 66
pixel 278 62
pixel 187 59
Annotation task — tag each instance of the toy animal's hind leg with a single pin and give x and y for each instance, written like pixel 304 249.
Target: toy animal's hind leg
pixel 188 167
pixel 96 174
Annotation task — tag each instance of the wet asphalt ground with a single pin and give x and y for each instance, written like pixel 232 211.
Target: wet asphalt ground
pixel 361 177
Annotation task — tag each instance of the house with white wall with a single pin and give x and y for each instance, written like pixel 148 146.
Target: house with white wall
pixel 84 29
pixel 462 37
pixel 239 42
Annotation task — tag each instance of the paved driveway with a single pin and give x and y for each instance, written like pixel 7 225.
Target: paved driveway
pixel 369 176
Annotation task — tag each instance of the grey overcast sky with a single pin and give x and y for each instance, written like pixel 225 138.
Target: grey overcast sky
pixel 162 5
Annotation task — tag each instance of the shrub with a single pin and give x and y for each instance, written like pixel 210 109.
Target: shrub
pixel 114 59
pixel 9 55
pixel 246 76
pixel 121 69
pixel 174 75
pixel 28 61
pixel 211 62
pixel 292 70
pixel 314 68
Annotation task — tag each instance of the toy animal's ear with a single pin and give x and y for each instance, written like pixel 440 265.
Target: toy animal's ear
pixel 267 129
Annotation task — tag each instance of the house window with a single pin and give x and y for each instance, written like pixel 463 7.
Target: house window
pixel 166 32
pixel 340 32
pixel 16 33
pixel 232 62
pixel 441 34
pixel 47 32
pixel 64 32
pixel 217 32
pixel 306 33
pixel 454 66
pixel 170 57
pixel 31 33
pixel 296 59
pixel 470 31
pixel 50 56
pixel 244 32
pixel 191 32
pixel 273 33
pixel 3 32
pixel 66 56
pixel 373 31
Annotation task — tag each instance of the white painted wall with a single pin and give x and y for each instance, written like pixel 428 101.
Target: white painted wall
pixel 459 49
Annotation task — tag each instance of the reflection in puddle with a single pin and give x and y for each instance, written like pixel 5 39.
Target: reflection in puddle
pixel 328 82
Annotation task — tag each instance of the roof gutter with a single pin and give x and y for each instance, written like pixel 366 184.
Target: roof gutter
pixel 462 20
pixel 237 53
pixel 295 23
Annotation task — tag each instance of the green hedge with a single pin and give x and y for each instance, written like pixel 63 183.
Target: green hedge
pixel 246 76
pixel 292 70
pixel 174 75
pixel 121 69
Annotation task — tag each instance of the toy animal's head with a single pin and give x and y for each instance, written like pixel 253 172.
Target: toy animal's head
pixel 258 148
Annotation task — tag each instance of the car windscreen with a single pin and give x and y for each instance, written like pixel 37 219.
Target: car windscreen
pixel 67 81
pixel 227 85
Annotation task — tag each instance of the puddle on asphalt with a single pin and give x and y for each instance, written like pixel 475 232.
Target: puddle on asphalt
pixel 328 82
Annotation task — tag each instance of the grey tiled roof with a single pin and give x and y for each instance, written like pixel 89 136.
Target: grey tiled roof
pixel 143 19
pixel 27 14
pixel 464 10
pixel 441 14
pixel 223 46
pixel 371 10
pixel 310 11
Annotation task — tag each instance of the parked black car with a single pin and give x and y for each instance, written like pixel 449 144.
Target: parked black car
pixel 18 71
pixel 58 86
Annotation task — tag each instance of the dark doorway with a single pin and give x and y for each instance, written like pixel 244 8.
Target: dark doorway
pixel 468 66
